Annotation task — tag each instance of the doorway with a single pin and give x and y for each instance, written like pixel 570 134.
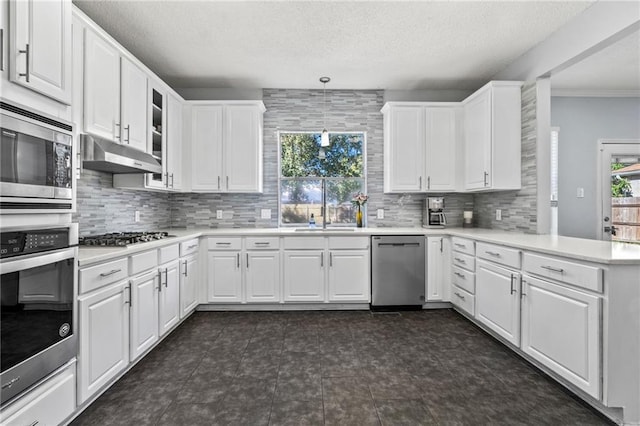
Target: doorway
pixel 619 178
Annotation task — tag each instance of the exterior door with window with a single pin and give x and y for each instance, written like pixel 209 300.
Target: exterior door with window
pixel 619 170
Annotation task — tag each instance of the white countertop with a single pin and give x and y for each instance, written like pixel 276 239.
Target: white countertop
pixel 575 248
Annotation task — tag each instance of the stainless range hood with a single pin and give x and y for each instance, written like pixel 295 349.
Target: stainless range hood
pixel 106 156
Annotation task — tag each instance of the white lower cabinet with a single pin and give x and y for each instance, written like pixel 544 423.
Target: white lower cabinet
pixel 304 276
pixel 561 330
pixel 262 276
pixel 225 277
pixel 189 277
pixel 349 276
pixel 104 337
pixel 48 404
pixel 169 304
pixel 498 300
pixel 437 264
pixel 144 313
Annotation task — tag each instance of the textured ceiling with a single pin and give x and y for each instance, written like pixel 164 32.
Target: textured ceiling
pixel 616 67
pixel 359 44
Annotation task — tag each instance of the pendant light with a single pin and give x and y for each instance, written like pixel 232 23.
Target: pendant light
pixel 324 139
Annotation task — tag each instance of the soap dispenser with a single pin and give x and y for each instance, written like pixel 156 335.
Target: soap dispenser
pixel 312 221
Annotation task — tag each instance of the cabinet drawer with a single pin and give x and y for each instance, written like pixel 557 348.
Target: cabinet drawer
pixel 188 247
pixel 262 243
pixel 577 274
pixel 464 279
pixel 463 245
pixel 48 404
pixel 355 243
pixel 232 243
pixel 169 253
pixel 463 261
pixel 498 254
pixel 304 243
pixel 463 300
pixel 103 274
pixel 143 261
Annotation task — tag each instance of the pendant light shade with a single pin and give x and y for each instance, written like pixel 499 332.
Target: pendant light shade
pixel 324 139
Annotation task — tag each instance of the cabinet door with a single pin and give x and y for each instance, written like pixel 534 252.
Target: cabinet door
pixel 304 276
pixel 404 149
pixel 104 337
pixel 169 310
pixel 225 277
pixel 101 87
pixel 561 329
pixel 41 47
pixel 498 300
pixel 144 313
pixel 441 147
pixel 262 277
pixel 435 269
pixel 243 148
pixel 133 97
pixel 206 148
pixel 188 285
pixel 157 135
pixel 349 276
pixel 477 136
pixel 174 142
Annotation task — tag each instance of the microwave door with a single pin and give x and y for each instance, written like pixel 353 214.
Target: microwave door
pixel 30 161
pixel 8 156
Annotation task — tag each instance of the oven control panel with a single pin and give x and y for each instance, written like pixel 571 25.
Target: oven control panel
pixel 18 243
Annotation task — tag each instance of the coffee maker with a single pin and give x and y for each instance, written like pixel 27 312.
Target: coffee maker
pixel 435 212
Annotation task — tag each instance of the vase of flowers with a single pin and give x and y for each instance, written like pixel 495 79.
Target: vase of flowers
pixel 358 201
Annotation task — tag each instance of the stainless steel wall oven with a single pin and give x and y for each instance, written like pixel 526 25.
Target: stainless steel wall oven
pixel 36 161
pixel 37 304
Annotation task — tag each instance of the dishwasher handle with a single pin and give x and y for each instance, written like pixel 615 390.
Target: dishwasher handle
pixel 399 244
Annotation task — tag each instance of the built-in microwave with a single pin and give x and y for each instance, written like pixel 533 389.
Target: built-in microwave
pixel 36 161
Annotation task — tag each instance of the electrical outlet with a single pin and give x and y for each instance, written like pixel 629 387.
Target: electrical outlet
pixel 136 216
pixel 218 214
pixel 380 214
pixel 498 214
pixel 580 193
pixel 265 214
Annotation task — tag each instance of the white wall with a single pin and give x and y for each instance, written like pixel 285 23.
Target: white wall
pixel 582 121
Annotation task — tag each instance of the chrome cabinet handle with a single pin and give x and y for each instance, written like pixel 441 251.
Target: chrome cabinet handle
pixel 550 268
pixel 522 283
pixel 460 245
pixel 127 128
pixel 186 271
pixel 238 264
pixel 159 280
pixel 218 182
pixel 1 49
pixel 26 73
pixel 111 272
pixel 492 253
pixel 460 260
pixel 116 134
pixel 459 295
pixel 262 243
pixel 513 290
pixel 428 182
pixel 322 259
pixel 247 260
pixel 34 423
pixel 486 175
pixel 330 259
pixel 227 183
pixel 441 239
pixel 166 277
pixel 171 175
pixel 223 243
pixel 128 289
pixel 420 182
pixel 192 246
pixel 460 275
pixel 166 180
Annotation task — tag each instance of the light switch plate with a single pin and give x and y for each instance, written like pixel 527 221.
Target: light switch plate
pixel 218 214
pixel 498 214
pixel 580 193
pixel 380 213
pixel 265 214
pixel 136 216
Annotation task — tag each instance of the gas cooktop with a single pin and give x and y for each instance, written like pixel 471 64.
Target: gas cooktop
pixel 121 239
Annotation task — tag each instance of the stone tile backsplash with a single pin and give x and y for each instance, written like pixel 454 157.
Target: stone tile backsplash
pixel 102 208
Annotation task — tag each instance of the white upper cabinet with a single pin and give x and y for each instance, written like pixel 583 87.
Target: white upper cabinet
pixel 174 142
pixel 492 135
pixel 133 94
pixel 227 147
pixel 420 146
pixel 101 87
pixel 40 47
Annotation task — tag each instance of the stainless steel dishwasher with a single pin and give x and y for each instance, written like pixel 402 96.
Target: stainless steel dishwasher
pixel 397 270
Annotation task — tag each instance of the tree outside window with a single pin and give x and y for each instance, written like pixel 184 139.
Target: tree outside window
pixel 309 173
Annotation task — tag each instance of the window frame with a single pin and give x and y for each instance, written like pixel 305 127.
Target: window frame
pixel 323 179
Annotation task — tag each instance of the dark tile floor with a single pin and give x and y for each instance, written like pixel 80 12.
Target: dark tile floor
pixel 308 368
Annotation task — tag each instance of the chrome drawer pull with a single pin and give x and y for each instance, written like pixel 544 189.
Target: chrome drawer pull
pixel 223 244
pixel 111 272
pixel 459 295
pixel 492 253
pixel 550 268
pixel 460 245
pixel 26 73
pixel 460 260
pixel 259 243
pixel 460 275
pixel 191 247
pixel 513 290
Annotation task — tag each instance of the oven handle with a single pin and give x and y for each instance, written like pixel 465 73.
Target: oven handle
pixel 35 260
